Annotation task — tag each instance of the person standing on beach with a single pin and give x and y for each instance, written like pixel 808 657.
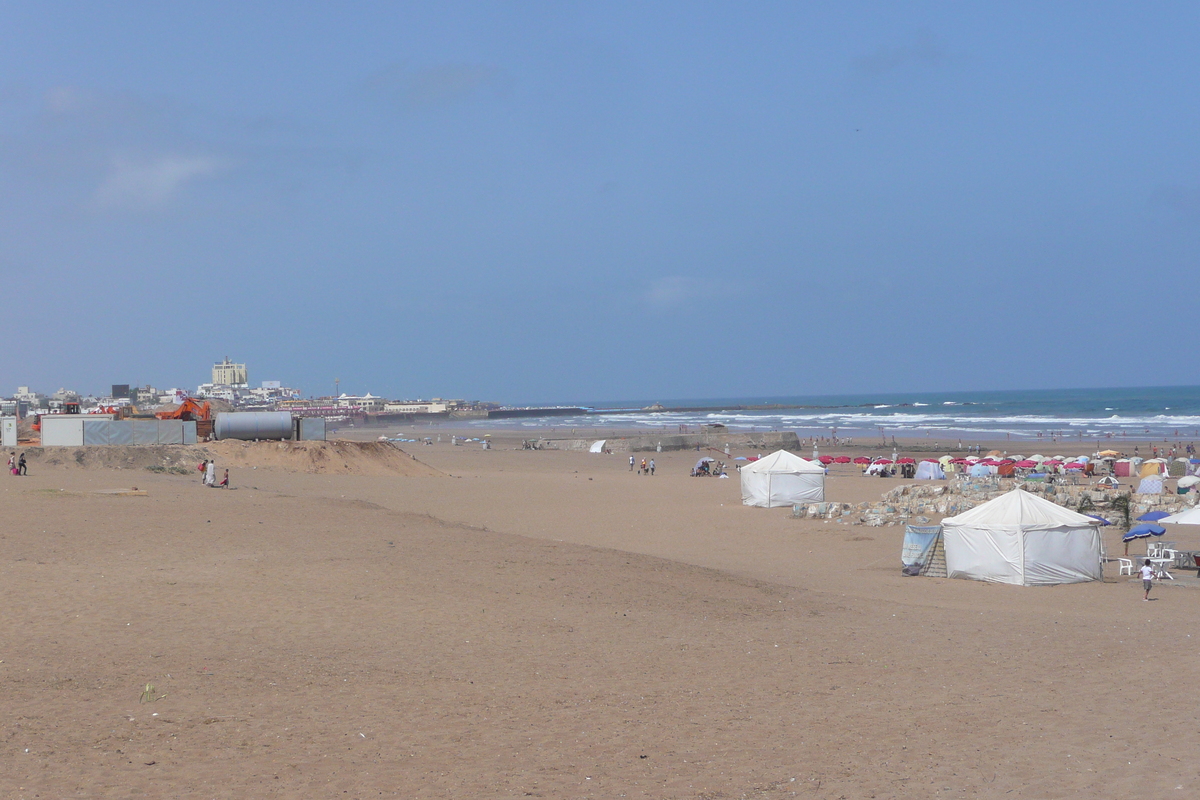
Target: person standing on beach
pixel 652 466
pixel 643 470
pixel 631 463
pixel 1147 578
pixel 210 474
pixel 21 465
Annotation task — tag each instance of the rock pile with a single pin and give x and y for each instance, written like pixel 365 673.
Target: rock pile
pixel 919 503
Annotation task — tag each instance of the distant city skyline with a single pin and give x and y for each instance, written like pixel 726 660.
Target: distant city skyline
pixel 554 203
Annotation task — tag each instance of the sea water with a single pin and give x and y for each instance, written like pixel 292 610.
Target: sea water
pixel 1171 412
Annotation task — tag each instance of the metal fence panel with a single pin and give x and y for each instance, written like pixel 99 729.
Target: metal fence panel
pixel 121 432
pixel 145 431
pixel 97 431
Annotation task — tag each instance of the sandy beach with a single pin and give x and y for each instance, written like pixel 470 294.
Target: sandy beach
pixel 461 622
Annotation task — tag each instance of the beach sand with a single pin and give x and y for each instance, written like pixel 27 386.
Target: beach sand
pixel 507 623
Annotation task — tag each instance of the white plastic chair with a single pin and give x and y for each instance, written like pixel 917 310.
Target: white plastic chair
pixel 1154 549
pixel 1126 567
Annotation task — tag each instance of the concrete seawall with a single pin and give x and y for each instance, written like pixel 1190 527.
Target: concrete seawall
pixel 767 442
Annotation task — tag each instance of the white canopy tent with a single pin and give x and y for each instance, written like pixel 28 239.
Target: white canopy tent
pixel 782 479
pixel 1022 539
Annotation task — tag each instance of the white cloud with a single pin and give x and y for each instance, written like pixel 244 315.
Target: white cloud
pixel 152 182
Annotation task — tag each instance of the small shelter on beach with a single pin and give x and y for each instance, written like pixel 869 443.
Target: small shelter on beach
pixel 930 471
pixel 782 479
pixel 1023 539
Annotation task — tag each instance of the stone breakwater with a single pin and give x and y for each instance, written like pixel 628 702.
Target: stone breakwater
pixel 921 503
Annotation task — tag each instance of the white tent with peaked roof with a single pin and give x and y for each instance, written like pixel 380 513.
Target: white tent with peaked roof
pixel 782 479
pixel 1023 539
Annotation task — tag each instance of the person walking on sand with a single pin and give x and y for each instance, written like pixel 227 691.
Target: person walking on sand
pixel 210 474
pixel 12 464
pixel 21 470
pixel 1147 578
pixel 643 470
pixel 652 466
pixel 224 484
pixel 631 463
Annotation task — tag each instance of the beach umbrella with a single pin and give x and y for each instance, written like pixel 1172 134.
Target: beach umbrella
pixel 1189 517
pixel 842 460
pixel 825 459
pixel 1016 457
pixel 862 460
pixel 1099 519
pixel 740 458
pixel 906 460
pixel 1026 464
pixel 930 461
pixel 1074 465
pixel 1153 516
pixel 1109 453
pixel 960 461
pixel 1143 532
pixel 882 461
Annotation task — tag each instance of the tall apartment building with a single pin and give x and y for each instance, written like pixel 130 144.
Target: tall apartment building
pixel 229 374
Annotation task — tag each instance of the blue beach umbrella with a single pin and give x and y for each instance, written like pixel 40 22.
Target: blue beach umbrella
pixel 1153 516
pixel 1143 532
pixel 1100 519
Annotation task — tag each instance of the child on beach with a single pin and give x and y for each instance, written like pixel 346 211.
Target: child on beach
pixel 1147 578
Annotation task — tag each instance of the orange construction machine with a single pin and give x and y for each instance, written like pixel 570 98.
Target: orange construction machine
pixel 188 410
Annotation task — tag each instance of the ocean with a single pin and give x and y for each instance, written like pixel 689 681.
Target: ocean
pixel 1163 412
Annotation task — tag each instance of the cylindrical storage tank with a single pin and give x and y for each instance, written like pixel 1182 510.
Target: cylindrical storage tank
pixel 254 425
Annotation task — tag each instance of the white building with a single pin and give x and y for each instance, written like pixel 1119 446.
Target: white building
pixel 418 407
pixel 366 402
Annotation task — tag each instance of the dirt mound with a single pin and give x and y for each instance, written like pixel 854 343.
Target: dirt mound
pixel 338 457
pixel 181 459
pixel 335 457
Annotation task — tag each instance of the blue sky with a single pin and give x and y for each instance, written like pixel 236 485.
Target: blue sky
pixel 571 202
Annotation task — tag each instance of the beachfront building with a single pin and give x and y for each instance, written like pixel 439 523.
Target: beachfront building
pixel 229 374
pixel 367 402
pixel 417 407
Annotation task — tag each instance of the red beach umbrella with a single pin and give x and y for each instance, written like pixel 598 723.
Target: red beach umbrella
pixel 1026 463
pixel 862 460
pixel 906 460
pixel 825 459
pixel 882 461
pixel 842 460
